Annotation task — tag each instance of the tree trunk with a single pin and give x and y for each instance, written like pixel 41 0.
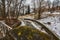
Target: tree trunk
pixel 3 9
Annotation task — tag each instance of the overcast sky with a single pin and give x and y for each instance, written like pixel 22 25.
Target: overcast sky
pixel 29 1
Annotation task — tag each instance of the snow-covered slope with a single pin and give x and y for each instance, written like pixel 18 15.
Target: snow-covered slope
pixel 54 23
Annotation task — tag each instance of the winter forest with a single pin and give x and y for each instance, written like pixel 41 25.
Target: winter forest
pixel 29 19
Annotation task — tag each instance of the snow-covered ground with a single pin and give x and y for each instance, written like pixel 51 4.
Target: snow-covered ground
pixel 54 23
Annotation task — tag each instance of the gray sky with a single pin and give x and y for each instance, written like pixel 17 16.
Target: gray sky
pixel 29 1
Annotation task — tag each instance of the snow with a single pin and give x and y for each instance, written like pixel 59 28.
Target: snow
pixel 55 23
pixel 53 19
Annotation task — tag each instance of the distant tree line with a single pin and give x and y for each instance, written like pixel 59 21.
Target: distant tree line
pixel 45 6
pixel 14 8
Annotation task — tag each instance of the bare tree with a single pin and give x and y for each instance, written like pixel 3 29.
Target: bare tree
pixel 13 8
pixel 0 10
pixel 40 10
pixel 28 10
pixel 37 4
pixel 55 4
pixel 34 4
pixel 3 9
pixel 49 5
